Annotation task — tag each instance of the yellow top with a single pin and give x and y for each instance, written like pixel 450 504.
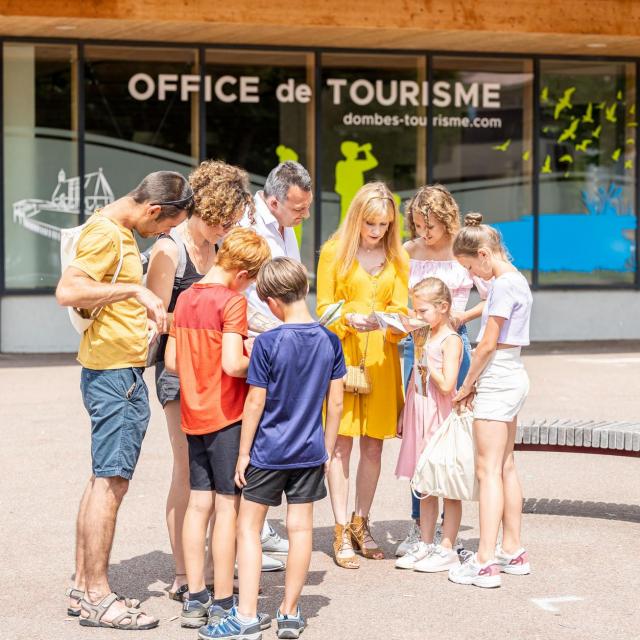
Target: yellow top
pixel 117 338
pixel 375 414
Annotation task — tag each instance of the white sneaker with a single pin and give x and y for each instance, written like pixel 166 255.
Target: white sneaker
pixel 419 551
pixel 516 564
pixel 268 564
pixel 413 537
pixel 441 559
pixel 485 575
pixel 272 542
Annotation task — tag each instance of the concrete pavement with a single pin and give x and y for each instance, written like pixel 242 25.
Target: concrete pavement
pixel 581 523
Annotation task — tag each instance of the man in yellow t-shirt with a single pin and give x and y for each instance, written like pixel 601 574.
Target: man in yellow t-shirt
pixel 113 353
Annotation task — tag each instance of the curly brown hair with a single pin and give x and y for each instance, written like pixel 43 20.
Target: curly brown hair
pixel 434 200
pixel 221 193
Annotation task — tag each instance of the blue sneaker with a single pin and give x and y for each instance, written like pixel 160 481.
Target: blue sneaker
pixel 290 626
pixel 218 613
pixel 230 628
pixel 194 613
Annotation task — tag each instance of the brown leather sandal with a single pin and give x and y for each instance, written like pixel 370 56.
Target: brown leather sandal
pixel 346 562
pixel 361 535
pixel 77 595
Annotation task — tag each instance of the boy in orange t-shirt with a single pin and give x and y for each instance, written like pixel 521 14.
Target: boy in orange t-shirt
pixel 207 347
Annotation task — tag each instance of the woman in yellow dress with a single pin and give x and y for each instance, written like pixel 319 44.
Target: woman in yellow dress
pixel 364 264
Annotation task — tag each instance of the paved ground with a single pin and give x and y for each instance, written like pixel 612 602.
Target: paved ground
pixel 582 523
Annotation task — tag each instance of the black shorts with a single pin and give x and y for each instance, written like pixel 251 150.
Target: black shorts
pixel 266 486
pixel 213 458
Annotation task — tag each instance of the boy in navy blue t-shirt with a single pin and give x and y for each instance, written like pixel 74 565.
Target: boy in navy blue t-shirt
pixel 283 447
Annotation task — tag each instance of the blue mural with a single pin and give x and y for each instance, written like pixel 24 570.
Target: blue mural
pixel 602 238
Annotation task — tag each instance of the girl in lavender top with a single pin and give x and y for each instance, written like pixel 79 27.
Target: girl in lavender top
pixel 433 219
pixel 496 386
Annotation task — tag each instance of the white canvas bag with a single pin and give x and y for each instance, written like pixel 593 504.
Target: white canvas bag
pixel 68 249
pixel 446 468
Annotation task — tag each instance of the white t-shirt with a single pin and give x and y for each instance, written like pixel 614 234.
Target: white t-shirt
pixel 268 227
pixel 510 298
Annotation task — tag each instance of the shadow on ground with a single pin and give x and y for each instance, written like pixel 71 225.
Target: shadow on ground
pixel 582 509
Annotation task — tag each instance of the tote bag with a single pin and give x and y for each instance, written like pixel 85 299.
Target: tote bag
pixel 446 468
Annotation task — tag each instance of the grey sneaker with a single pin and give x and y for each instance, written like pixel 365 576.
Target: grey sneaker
pixel 218 613
pixel 271 542
pixel 413 537
pixel 194 613
pixel 290 626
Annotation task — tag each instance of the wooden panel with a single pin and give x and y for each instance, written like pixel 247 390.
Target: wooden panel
pixel 561 28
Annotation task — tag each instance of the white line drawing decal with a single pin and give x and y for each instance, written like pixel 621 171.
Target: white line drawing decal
pixel 65 199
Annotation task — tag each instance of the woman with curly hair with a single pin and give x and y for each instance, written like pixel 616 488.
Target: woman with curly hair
pixel 433 219
pixel 221 196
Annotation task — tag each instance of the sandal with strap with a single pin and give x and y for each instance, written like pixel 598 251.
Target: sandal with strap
pixel 179 593
pixel 361 535
pixel 78 595
pixel 346 562
pixel 127 620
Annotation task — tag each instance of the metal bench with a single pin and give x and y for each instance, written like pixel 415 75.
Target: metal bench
pixel 580 436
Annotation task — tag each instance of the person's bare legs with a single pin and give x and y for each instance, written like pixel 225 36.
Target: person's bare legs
pixel 338 478
pixel 250 520
pixel 428 518
pixel 224 544
pixel 367 478
pixel 101 509
pixel 451 522
pixel 491 441
pixel 194 533
pixel 178 496
pixel 300 533
pixel 208 560
pixel 78 578
pixel 512 515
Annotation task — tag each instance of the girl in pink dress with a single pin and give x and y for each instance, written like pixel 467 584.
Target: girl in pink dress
pixel 428 403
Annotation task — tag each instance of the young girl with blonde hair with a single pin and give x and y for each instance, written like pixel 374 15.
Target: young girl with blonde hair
pixel 496 386
pixel 433 219
pixel 365 265
pixel 429 403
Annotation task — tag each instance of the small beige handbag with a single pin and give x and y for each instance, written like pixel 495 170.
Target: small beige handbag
pixel 358 380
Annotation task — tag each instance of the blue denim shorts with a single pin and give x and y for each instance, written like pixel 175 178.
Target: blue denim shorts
pixel 118 404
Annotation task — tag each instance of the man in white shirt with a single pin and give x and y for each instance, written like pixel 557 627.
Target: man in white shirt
pixel 283 204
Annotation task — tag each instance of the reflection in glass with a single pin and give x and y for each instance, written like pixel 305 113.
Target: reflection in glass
pixel 587 147
pixel 260 111
pixel 41 184
pixel 482 128
pixel 373 128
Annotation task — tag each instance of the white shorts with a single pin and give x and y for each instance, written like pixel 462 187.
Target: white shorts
pixel 502 387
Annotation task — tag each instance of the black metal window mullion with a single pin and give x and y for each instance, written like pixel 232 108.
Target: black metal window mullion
pixel 202 110
pixel 3 289
pixel 430 142
pixel 80 105
pixel 535 175
pixel 637 185
pixel 317 214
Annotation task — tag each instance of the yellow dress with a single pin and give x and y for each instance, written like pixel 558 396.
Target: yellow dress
pixel 376 414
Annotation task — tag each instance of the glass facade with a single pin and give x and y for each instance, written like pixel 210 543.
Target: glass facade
pixel 544 148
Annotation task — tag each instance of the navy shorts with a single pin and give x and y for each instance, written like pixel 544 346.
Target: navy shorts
pixel 213 458
pixel 117 401
pixel 167 384
pixel 301 485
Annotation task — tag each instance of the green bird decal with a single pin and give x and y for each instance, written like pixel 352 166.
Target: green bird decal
pixel 570 131
pixel 596 132
pixel 544 94
pixel 615 156
pixel 582 146
pixel 546 167
pixel 564 102
pixel 632 109
pixel 632 124
pixel 601 105
pixel 502 147
pixel 619 95
pixel 566 174
pixel 610 113
pixel 526 155
pixel 588 116
pixel 628 164
pixel 630 141
pixel 565 158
